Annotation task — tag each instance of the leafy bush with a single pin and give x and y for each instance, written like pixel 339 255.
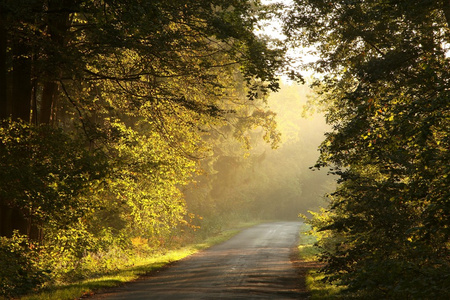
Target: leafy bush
pixel 19 271
pixel 45 173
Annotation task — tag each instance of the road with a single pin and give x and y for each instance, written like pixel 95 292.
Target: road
pixel 254 264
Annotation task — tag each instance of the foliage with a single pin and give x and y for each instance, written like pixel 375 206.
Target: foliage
pixel 129 270
pixel 306 241
pixel 46 174
pixel 385 86
pixel 308 253
pixel 107 108
pixel 21 274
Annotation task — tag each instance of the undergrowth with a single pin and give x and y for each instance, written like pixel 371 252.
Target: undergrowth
pixel 121 270
pixel 308 252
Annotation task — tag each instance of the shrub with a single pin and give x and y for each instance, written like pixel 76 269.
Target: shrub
pixel 19 273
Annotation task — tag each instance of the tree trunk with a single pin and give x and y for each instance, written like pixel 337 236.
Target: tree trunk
pixel 48 98
pixel 3 70
pixel 5 211
pixel 21 82
pixel 21 90
pixel 58 26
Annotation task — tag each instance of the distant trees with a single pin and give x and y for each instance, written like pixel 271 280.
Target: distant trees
pixel 261 182
pixel 386 87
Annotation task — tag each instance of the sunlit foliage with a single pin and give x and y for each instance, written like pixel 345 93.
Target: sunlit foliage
pixel 105 109
pixel 385 85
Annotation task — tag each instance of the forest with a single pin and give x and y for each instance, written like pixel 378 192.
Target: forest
pixel 384 85
pixel 128 127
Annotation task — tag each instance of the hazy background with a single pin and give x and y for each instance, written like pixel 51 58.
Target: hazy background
pixel 262 182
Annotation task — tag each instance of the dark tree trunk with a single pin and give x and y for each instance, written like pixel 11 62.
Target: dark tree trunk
pixel 5 211
pixel 58 24
pixel 3 70
pixel 48 98
pixel 21 82
pixel 20 101
pixel 12 219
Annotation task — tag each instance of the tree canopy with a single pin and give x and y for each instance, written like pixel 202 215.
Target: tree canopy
pixel 106 108
pixel 385 86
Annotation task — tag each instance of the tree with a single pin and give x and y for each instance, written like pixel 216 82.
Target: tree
pixel 104 105
pixel 386 88
pixel 92 67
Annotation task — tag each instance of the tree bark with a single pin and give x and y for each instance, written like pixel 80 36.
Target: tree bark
pixel 3 70
pixel 21 82
pixel 48 97
pixel 58 19
pixel 21 91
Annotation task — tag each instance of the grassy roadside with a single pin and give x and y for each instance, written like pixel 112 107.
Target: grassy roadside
pixel 144 266
pixel 307 254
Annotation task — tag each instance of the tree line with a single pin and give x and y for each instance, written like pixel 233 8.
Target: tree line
pixel 106 109
pixel 385 88
pixel 115 118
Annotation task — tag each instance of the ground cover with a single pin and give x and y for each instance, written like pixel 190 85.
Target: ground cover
pixel 308 266
pixel 143 266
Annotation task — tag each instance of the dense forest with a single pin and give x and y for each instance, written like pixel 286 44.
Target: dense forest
pixel 132 126
pixel 109 109
pixel 385 85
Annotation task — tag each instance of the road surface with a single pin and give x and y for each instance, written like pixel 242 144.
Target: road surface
pixel 254 264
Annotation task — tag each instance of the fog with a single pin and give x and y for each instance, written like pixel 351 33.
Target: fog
pixel 293 187
pixel 263 182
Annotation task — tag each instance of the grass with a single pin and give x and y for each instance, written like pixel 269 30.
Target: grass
pixel 306 249
pixel 321 290
pixel 140 268
pixel 89 286
pixel 314 284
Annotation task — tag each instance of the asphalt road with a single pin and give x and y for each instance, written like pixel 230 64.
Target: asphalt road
pixel 254 264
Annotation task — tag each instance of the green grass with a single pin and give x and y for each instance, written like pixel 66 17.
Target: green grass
pixel 141 267
pixel 306 249
pixel 321 290
pixel 88 286
pixel 308 253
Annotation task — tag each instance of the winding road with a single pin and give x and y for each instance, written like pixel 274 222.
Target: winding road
pixel 255 264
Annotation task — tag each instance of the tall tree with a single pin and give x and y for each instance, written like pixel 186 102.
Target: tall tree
pixel 386 88
pixel 116 74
